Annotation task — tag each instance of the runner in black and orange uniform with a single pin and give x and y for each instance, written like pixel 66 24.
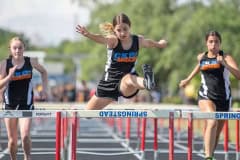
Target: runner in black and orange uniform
pixel 120 77
pixel 214 93
pixel 16 80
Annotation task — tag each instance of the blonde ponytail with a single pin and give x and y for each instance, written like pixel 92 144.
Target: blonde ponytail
pixel 106 28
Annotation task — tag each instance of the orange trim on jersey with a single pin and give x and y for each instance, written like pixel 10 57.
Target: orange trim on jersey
pixel 210 66
pixel 133 59
pixel 16 78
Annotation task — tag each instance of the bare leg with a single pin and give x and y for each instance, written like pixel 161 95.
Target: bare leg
pixel 211 127
pixel 130 84
pixel 219 129
pixel 97 103
pixel 25 127
pixel 210 137
pixel 12 127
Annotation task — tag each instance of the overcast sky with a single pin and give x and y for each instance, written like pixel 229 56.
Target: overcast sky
pixel 46 22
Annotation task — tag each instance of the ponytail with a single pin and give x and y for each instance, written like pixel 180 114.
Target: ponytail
pixel 106 28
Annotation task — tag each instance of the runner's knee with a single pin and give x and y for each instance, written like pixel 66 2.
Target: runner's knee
pixel 212 124
pixel 12 143
pixel 25 139
pixel 127 81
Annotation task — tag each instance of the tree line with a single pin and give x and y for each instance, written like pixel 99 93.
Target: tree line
pixel 183 25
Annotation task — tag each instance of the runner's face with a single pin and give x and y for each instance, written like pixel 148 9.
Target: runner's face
pixel 122 31
pixel 213 44
pixel 16 49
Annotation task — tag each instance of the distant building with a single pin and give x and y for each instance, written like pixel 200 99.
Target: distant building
pixel 38 54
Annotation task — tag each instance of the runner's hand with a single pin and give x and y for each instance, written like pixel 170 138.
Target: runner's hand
pixel 82 30
pixel 43 95
pixel 221 60
pixel 12 70
pixel 183 83
pixel 163 43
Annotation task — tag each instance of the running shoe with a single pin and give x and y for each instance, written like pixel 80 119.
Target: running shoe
pixel 209 158
pixel 149 82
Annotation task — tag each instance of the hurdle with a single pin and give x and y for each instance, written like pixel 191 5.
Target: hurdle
pixel 126 114
pixel 155 114
pixel 214 115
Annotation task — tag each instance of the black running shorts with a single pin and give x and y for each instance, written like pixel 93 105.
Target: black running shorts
pixel 222 105
pixel 17 107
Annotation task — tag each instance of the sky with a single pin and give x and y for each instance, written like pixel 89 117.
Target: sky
pixel 44 22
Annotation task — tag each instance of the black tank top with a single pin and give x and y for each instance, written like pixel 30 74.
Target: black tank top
pixel 215 83
pixel 120 61
pixel 19 90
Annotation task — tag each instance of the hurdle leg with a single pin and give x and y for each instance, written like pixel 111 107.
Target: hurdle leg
pixel 171 136
pixel 190 136
pixel 74 136
pixel 155 146
pixel 65 139
pixel 144 123
pixel 58 135
pixel 226 139
pixel 237 141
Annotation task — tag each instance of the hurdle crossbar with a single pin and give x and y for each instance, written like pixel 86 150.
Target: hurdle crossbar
pixel 212 115
pixel 90 113
pixel 156 113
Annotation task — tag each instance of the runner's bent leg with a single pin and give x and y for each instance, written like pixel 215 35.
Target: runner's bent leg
pixel 97 103
pixel 130 84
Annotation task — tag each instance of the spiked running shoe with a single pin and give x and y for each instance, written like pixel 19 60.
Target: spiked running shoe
pixel 149 82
